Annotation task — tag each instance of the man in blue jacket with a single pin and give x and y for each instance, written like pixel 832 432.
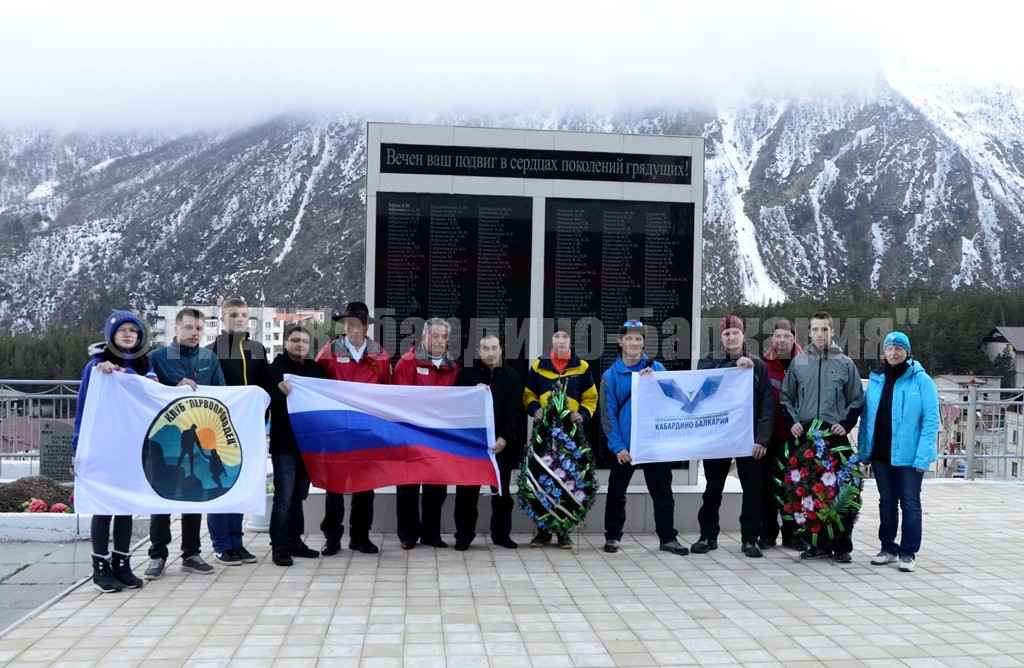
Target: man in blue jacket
pixel 184 362
pixel 616 388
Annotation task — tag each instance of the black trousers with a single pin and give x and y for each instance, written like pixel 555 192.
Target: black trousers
pixel 716 471
pixel 359 521
pixel 291 487
pixel 771 508
pixel 160 535
pixel 467 498
pixel 100 532
pixel 842 542
pixel 413 526
pixel 467 511
pixel 659 485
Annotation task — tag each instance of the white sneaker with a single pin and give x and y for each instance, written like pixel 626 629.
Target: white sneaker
pixel 883 558
pixel 907 564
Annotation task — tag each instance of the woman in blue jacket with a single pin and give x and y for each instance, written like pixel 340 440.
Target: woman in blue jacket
pixel 898 437
pixel 616 388
pixel 123 350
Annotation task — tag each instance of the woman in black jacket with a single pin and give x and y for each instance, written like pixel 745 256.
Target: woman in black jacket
pixel 510 434
pixel 291 480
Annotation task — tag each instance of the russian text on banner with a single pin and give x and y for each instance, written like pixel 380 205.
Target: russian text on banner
pixel 686 415
pixel 360 436
pixel 148 448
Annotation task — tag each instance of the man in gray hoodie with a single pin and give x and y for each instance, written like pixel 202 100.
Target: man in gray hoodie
pixel 823 384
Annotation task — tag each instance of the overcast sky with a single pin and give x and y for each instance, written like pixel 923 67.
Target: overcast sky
pixel 212 63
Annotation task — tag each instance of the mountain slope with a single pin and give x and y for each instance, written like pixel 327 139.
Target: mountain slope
pixel 880 189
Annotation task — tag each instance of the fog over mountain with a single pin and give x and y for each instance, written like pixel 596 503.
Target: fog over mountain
pixel 148 157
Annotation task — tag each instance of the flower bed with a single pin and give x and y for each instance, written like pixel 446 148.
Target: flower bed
pixel 17 496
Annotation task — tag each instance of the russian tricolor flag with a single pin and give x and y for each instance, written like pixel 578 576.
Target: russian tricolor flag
pixel 360 436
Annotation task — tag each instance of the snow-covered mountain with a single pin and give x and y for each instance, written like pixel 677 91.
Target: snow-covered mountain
pixel 880 189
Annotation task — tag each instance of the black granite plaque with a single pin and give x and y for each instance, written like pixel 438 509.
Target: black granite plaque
pixel 465 257
pixel 609 259
pixel 55 457
pixel 606 260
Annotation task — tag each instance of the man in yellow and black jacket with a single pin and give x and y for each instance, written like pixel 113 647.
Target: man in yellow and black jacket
pixel 561 364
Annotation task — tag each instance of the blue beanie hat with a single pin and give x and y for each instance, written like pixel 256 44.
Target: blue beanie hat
pixel 897 339
pixel 114 321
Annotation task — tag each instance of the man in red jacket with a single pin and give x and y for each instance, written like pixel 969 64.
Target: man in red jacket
pixel 426 363
pixel 781 351
pixel 356 358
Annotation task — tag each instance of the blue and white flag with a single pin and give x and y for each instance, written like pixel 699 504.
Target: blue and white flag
pixel 148 448
pixel 361 436
pixel 687 415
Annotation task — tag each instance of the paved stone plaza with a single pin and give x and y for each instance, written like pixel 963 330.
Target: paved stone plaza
pixel 493 607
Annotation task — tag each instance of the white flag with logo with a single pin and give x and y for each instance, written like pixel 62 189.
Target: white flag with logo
pixel 147 448
pixel 686 415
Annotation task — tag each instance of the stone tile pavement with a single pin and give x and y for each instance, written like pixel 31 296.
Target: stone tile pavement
pixel 33 573
pixel 492 607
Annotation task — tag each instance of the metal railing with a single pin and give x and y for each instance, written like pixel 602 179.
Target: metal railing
pixel 981 433
pixel 27 406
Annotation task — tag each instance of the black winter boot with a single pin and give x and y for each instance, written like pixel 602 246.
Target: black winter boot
pixel 121 565
pixel 102 577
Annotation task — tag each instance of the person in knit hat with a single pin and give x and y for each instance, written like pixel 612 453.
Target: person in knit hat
pixel 748 468
pixel 897 436
pixel 123 350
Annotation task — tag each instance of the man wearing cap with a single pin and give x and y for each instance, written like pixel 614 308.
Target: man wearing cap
pixel 900 445
pixel 748 468
pixel 356 358
pixel 823 384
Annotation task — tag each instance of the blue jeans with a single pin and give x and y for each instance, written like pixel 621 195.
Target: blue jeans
pixel 291 487
pixel 899 488
pixel 225 531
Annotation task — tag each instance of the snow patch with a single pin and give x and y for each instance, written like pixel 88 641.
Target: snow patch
pixel 326 155
pixel 100 166
pixel 879 245
pixel 743 138
pixel 43 191
pixel 970 264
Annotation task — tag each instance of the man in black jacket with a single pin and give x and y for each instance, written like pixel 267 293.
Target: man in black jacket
pixel 291 480
pixel 748 468
pixel 510 435
pixel 243 362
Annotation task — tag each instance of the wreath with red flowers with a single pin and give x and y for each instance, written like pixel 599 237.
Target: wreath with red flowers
pixel 820 489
